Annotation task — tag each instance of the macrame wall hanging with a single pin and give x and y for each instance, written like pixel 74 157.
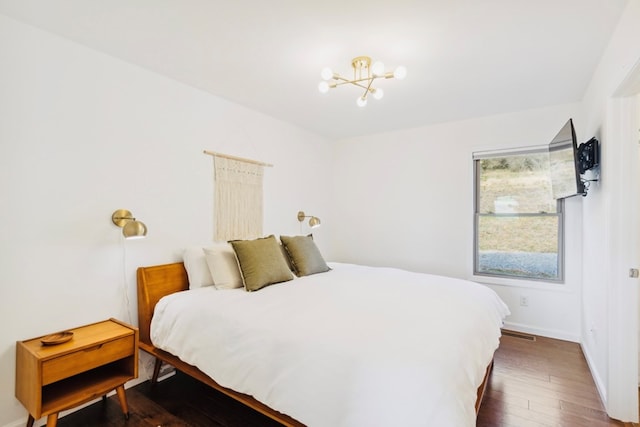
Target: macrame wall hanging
pixel 238 211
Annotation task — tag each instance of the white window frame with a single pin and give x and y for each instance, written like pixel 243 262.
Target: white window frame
pixel 504 278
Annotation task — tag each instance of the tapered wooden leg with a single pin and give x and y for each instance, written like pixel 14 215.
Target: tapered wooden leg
pixel 156 371
pixel 122 397
pixel 52 420
pixel 30 421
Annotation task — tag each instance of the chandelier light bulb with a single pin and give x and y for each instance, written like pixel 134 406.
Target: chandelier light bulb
pixel 400 72
pixel 323 87
pixel 377 68
pixel 361 101
pixel 378 93
pixel 326 73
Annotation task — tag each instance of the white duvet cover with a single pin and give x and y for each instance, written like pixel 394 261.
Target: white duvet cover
pixel 356 346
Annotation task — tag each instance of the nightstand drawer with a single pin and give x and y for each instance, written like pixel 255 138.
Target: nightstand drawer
pixel 87 358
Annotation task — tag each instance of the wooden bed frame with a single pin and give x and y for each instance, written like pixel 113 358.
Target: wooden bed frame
pixel 160 280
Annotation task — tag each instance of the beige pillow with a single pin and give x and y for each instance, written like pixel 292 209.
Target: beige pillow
pixel 223 266
pixel 261 262
pixel 305 256
pixel 196 266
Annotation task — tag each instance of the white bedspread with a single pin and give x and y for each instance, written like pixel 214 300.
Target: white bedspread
pixel 356 346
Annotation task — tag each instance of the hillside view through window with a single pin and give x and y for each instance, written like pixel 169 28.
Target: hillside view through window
pixel 518 224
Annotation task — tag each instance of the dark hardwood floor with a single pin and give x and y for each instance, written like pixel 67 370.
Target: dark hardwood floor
pixel 541 382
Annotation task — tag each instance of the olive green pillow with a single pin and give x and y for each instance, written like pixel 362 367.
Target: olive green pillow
pixel 304 255
pixel 261 262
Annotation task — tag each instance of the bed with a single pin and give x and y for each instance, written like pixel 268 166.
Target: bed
pixel 352 346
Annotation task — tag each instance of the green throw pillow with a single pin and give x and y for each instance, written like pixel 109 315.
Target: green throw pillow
pixel 304 255
pixel 261 262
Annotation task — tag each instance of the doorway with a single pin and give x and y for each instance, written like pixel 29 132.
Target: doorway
pixel 623 172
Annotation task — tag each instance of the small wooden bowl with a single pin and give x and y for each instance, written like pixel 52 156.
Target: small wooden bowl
pixel 57 338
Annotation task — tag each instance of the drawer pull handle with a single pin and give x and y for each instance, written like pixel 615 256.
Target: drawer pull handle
pixel 94 348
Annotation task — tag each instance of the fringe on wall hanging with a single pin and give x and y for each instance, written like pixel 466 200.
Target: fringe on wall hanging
pixel 238 197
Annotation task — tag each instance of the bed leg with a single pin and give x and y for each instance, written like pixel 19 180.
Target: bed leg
pixel 483 386
pixel 156 371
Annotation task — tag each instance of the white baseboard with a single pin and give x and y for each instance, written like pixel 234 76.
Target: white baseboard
pixel 549 333
pixel 600 386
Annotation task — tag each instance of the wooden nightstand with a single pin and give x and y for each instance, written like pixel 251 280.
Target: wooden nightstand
pixel 99 358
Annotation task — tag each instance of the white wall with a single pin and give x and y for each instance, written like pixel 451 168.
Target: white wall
pixel 83 134
pixel 609 305
pixel 405 199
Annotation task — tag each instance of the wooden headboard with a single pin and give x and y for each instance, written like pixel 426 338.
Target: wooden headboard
pixel 154 283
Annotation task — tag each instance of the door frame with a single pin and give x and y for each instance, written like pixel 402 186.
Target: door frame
pixel 623 307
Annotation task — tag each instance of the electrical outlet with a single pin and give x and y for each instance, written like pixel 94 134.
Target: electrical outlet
pixel 524 301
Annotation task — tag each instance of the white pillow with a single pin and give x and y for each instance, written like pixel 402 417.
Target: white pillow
pixel 197 268
pixel 223 266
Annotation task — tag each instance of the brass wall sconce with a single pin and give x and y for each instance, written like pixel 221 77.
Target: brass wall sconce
pixel 314 221
pixel 131 228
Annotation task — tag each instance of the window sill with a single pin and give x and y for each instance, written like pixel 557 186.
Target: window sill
pixel 522 283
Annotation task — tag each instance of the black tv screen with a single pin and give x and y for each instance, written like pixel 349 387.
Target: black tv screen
pixel 563 166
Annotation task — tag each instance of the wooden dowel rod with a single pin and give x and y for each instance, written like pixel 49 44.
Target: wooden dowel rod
pixel 240 159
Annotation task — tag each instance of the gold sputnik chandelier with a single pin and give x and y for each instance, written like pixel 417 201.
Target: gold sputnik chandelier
pixel 364 73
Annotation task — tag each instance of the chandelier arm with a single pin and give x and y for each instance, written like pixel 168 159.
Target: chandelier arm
pixel 363 79
pixel 366 92
pixel 367 79
pixel 353 82
pixel 339 77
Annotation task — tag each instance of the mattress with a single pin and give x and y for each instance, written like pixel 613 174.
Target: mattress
pixel 355 346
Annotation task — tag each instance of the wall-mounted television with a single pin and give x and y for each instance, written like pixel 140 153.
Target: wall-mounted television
pixel 563 164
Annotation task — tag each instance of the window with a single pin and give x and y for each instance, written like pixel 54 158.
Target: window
pixel 518 225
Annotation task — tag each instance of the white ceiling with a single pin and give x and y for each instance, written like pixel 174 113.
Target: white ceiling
pixel 465 58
